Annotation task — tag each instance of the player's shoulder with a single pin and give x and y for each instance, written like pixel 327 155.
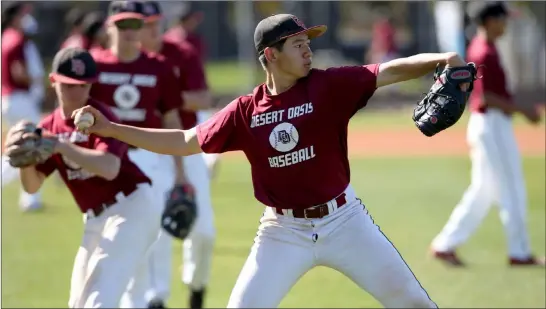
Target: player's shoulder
pixel 102 55
pixel 12 38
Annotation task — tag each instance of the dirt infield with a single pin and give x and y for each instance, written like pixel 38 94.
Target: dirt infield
pixel 404 142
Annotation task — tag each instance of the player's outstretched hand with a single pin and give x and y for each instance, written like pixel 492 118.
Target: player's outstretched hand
pixel 532 113
pixel 456 61
pixel 100 124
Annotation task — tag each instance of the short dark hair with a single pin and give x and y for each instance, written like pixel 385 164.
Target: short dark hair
pixel 480 11
pixel 278 46
pixel 74 17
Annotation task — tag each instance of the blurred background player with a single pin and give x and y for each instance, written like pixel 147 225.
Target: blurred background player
pixel 198 247
pixel 93 33
pixel 73 22
pixel 142 90
pixel 22 82
pixel 186 31
pixel 497 174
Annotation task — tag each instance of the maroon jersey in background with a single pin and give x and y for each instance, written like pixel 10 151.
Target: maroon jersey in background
pixel 302 131
pixel 139 92
pixel 177 34
pixel 190 71
pixel 89 191
pixel 13 43
pixel 485 53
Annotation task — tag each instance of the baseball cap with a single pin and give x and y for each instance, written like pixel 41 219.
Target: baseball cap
pixel 73 65
pixel 278 27
pixel 151 11
pixel 120 10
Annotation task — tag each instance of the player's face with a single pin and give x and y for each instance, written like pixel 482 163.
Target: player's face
pixel 151 33
pixel 497 25
pixel 73 95
pixel 128 30
pixel 296 56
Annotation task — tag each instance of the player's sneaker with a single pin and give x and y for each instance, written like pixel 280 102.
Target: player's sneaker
pixel 196 299
pixel 156 305
pixel 530 261
pixel 448 257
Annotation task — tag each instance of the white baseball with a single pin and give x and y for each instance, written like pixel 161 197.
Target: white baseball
pixel 84 121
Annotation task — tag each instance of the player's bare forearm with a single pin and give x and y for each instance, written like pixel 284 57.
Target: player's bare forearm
pixel 197 100
pixel 31 179
pixel 403 69
pixel 164 141
pixel 171 120
pixel 100 163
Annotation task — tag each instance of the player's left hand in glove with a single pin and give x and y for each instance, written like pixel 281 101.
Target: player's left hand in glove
pixel 26 146
pixel 445 102
pixel 180 212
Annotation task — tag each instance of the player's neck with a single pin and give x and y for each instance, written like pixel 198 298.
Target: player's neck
pixel 125 53
pixel 482 33
pixel 278 83
pixel 67 109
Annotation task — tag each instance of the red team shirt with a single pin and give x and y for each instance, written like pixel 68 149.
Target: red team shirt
pixel 296 142
pixel 190 71
pixel 79 181
pixel 13 44
pixel 485 53
pixel 139 92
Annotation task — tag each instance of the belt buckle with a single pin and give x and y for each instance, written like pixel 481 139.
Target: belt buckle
pixel 90 213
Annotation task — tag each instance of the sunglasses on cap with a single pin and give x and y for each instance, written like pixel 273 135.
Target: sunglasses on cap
pixel 129 24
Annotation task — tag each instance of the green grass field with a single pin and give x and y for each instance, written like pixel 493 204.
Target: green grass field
pixel 410 198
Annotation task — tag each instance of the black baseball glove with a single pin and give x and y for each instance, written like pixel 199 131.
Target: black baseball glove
pixel 180 211
pixel 445 102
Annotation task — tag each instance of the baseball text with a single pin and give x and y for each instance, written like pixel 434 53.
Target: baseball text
pixel 292 158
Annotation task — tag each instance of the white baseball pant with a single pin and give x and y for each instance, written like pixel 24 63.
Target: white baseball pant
pixel 497 176
pixel 161 170
pixel 347 240
pixel 112 249
pixel 15 107
pixel 197 248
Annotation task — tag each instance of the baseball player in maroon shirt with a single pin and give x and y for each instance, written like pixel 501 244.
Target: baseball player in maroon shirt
pixel 496 163
pixel 120 222
pixel 199 245
pixel 21 76
pixel 142 90
pixel 293 130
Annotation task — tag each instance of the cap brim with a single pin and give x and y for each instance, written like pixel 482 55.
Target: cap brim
pixel 312 32
pixel 125 15
pixel 69 80
pixel 153 18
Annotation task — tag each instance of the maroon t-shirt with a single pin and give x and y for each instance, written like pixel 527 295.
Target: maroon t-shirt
pixel 485 53
pixel 13 44
pixel 89 191
pixel 177 34
pixel 139 92
pixel 296 142
pixel 190 72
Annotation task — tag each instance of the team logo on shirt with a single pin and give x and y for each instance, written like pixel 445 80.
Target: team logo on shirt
pixel 127 96
pixel 284 137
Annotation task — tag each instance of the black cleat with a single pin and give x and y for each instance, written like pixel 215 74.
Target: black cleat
pixel 156 304
pixel 196 299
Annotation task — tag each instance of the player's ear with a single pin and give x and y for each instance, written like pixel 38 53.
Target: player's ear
pixel 269 54
pixel 52 80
